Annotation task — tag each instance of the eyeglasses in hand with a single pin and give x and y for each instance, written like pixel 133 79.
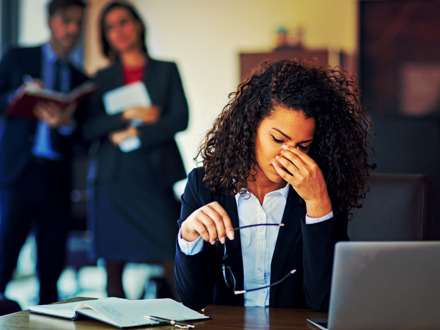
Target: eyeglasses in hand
pixel 228 275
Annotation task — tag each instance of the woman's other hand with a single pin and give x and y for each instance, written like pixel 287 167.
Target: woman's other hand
pixel 210 221
pixel 119 136
pixel 148 115
pixel 305 176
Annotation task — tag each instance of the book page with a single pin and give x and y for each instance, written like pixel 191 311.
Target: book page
pixel 112 311
pixel 82 91
pixel 129 96
pixel 130 313
pixel 122 312
pixel 23 103
pixel 66 310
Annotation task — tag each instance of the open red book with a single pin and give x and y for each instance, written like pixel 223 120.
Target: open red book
pixel 23 104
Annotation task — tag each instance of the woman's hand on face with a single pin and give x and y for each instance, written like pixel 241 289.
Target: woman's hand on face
pixel 305 176
pixel 148 115
pixel 210 221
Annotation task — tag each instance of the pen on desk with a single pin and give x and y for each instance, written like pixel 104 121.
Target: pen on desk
pixel 177 324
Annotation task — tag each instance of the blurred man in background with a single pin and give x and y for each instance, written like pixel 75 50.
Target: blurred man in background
pixel 36 149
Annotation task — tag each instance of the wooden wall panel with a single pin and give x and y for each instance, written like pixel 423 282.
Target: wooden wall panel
pixel 400 56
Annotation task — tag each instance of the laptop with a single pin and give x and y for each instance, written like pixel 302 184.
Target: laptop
pixel 384 285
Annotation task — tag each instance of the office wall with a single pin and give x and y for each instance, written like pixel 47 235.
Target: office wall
pixel 205 38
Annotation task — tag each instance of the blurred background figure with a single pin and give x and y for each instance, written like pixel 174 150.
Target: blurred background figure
pixel 133 211
pixel 35 154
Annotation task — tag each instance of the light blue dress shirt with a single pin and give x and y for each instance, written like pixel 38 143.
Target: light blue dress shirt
pixel 257 243
pixel 42 146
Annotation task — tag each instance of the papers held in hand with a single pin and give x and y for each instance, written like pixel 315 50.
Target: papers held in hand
pixel 23 103
pixel 120 312
pixel 133 95
pixel 117 100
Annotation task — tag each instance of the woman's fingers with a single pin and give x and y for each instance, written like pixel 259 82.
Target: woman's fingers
pixel 305 176
pixel 210 221
pixel 296 163
pixel 206 227
pixel 223 225
pixel 282 172
pixel 298 158
pixel 216 221
pixel 118 136
pixel 286 165
pixel 148 115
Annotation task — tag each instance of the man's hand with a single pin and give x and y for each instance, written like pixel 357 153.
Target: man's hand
pixel 53 115
pixel 29 85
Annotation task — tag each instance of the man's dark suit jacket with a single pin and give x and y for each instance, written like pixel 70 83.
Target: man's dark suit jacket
pixel 16 134
pixel 306 248
pixel 159 148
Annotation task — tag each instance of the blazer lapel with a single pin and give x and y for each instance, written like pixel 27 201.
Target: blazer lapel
pixel 150 79
pixel 117 74
pixel 37 58
pixel 234 246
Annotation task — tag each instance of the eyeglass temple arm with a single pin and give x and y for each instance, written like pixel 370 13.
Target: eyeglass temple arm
pixel 267 286
pixel 260 224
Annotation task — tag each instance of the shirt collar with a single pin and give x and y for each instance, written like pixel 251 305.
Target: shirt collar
pixel 283 191
pixel 50 56
pixel 49 53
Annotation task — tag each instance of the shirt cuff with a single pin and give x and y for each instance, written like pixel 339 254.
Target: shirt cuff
pixel 189 248
pixel 311 221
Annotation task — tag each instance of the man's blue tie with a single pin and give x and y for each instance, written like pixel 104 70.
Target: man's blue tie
pixel 57 76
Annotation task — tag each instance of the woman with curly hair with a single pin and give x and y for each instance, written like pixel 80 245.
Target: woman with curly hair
pixel 283 165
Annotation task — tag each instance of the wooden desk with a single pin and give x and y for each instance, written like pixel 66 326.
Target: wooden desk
pixel 222 317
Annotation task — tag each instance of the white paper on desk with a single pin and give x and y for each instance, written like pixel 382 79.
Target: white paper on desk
pixel 122 312
pixel 129 96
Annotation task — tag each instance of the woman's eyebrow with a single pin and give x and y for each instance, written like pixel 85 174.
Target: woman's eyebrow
pixel 306 141
pixel 285 135
pixel 288 137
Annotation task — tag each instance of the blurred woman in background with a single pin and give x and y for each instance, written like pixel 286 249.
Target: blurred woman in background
pixel 134 158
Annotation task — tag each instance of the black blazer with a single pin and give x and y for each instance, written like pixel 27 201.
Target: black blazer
pixel 17 134
pixel 306 248
pixel 159 148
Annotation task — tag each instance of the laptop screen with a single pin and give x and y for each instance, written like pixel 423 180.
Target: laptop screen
pixel 385 285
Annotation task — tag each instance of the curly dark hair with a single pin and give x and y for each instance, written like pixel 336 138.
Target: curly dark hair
pixel 329 95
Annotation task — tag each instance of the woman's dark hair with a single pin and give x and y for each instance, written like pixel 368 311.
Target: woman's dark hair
pixel 329 95
pixel 105 46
